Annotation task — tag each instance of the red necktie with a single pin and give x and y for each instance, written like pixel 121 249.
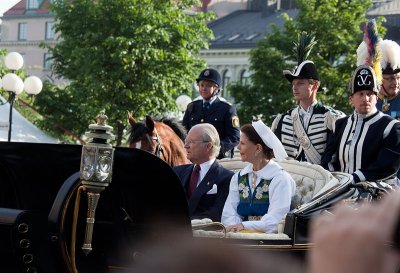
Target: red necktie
pixel 194 178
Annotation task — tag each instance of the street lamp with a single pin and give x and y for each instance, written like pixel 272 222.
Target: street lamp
pixel 13 84
pixel 182 102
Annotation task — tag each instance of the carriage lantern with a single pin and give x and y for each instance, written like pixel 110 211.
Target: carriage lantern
pixel 96 170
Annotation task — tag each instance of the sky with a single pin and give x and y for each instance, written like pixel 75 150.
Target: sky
pixel 6 5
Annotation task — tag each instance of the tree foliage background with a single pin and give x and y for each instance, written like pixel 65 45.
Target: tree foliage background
pixel 337 25
pixel 122 55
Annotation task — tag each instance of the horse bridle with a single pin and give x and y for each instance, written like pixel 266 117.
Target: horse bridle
pixel 159 148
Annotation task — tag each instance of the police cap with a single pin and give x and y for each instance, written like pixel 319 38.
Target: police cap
pixel 210 74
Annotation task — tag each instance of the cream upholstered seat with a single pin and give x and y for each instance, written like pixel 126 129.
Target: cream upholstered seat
pixel 311 180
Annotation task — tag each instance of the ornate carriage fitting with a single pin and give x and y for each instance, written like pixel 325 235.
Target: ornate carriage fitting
pixel 96 170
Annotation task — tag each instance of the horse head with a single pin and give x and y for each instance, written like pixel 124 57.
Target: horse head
pixel 143 135
pixel 163 137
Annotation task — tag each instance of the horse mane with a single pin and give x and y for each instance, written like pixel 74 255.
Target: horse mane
pixel 176 126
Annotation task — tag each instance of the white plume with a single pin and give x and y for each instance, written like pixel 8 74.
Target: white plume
pixel 362 53
pixel 390 54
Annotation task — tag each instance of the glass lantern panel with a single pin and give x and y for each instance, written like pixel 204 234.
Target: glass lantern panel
pixel 88 162
pixel 104 161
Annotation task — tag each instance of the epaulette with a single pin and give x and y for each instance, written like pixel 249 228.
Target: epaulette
pixel 335 111
pixel 225 101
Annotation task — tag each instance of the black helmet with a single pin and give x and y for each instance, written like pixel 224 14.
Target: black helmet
pixel 210 74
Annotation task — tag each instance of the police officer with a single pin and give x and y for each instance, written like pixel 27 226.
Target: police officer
pixel 212 110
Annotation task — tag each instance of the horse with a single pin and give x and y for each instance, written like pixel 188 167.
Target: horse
pixel 164 138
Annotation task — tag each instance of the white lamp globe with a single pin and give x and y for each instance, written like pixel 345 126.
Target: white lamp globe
pixel 12 83
pixel 33 85
pixel 182 102
pixel 14 61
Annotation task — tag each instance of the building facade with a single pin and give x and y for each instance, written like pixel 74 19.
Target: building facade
pixel 239 31
pixel 24 28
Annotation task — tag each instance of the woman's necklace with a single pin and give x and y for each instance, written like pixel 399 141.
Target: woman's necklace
pixel 253 181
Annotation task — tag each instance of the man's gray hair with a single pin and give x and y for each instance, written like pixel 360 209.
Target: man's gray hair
pixel 210 134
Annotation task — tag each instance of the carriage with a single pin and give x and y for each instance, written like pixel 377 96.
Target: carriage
pixel 41 231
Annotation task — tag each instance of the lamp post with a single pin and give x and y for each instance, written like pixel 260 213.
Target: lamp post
pixel 96 170
pixel 182 102
pixel 14 85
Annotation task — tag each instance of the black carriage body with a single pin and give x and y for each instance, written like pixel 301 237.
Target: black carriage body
pixel 38 185
pixel 145 201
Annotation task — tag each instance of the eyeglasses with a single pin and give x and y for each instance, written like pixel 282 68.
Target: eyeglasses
pixel 190 142
pixel 392 79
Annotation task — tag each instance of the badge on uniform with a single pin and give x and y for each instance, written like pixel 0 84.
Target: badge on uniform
pixel 235 121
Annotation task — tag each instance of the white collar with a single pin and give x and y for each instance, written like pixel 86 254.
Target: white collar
pixel 205 166
pixel 268 172
pixel 309 108
pixel 213 98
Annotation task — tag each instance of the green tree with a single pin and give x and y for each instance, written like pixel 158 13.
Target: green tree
pixel 336 24
pixel 122 55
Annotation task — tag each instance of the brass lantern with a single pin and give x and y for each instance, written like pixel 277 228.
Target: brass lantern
pixel 96 170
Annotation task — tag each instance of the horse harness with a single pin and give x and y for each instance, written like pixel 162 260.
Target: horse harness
pixel 159 148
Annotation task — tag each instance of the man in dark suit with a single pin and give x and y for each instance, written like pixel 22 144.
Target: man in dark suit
pixel 211 109
pixel 206 182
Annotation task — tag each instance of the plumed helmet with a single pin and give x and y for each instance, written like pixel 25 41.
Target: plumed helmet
pixel 363 78
pixel 210 74
pixel 390 57
pixel 305 70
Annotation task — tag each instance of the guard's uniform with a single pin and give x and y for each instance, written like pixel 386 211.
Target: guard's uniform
pixel 319 127
pixel 368 148
pixel 222 116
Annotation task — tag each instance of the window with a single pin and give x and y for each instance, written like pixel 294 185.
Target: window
pixel 226 78
pixel 50 35
pixel 244 77
pixel 32 4
pixel 22 31
pixel 48 61
pixel 251 37
pixel 234 37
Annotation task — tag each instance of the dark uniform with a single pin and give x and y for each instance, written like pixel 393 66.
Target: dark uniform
pixel 368 148
pixel 222 116
pixel 365 145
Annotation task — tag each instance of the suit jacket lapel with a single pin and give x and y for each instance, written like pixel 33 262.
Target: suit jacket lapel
pixel 186 176
pixel 205 185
